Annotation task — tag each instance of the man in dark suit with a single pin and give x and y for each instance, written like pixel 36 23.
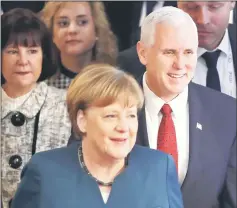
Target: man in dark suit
pixel 193 123
pixel 215 33
pixel 216 66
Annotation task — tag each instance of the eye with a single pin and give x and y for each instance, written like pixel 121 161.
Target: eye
pixel 82 22
pixel 214 6
pixel 12 51
pixel 33 51
pixel 110 116
pixel 192 7
pixel 63 23
pixel 132 115
pixel 189 52
pixel 169 52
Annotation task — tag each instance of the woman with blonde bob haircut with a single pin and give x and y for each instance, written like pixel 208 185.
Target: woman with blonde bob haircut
pixel 105 168
pixel 82 34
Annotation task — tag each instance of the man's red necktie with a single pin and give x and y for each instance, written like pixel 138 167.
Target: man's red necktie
pixel 166 141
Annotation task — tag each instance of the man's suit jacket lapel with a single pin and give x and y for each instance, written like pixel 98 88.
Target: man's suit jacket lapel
pixel 233 42
pixel 196 140
pixel 142 136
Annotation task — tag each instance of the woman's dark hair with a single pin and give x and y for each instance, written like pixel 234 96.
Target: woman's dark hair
pixel 21 27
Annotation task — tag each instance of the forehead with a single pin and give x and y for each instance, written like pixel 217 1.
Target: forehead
pixel 176 36
pixel 118 106
pixel 202 3
pixel 70 9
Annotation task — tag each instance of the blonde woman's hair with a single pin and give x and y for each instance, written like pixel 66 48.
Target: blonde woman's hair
pixel 101 85
pixel 106 49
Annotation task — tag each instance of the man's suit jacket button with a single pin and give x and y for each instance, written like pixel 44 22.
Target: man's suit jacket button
pixel 15 161
pixel 18 119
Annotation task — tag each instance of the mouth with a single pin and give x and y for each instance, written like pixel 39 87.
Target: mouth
pixel 118 140
pixel 176 76
pixel 73 41
pixel 22 73
pixel 204 33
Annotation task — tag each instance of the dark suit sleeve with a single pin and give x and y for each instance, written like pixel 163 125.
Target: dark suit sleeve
pixel 173 187
pixel 28 192
pixel 128 61
pixel 228 198
pixel 122 60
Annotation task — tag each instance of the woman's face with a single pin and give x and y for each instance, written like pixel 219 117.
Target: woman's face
pixel 21 66
pixel 74 29
pixel 111 130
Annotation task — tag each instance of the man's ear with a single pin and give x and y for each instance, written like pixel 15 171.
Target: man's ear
pixel 142 52
pixel 81 121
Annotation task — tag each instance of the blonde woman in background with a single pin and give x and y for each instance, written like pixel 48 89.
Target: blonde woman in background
pixel 82 34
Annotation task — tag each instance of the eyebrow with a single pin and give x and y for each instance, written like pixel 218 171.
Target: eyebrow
pixel 174 50
pixel 78 16
pixel 216 3
pixel 168 49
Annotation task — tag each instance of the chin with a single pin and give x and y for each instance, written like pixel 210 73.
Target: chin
pixel 203 44
pixel 119 155
pixel 74 51
pixel 178 91
pixel 25 84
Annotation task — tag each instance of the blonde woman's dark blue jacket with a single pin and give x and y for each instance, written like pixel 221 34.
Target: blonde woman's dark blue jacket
pixel 54 179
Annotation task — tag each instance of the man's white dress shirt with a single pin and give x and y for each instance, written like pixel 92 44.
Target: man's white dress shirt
pixel 180 116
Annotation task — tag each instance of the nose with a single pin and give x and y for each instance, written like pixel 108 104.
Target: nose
pixel 123 125
pixel 179 62
pixel 73 28
pixel 23 58
pixel 203 16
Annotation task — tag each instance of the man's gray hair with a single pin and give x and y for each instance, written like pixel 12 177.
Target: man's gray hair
pixel 168 14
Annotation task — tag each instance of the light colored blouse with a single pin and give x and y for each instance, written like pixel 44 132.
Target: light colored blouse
pixel 13 103
pixel 105 196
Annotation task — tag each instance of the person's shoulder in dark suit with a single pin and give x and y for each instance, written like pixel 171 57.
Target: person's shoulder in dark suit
pixel 128 61
pixel 212 95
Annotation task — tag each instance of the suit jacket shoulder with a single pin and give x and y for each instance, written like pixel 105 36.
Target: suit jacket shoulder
pixel 143 154
pixel 219 102
pixel 128 61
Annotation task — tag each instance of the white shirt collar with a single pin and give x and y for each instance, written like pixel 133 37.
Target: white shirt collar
pixel 223 46
pixel 154 103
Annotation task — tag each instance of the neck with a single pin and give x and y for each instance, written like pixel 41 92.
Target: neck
pixel 16 91
pixel 76 63
pixel 102 167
